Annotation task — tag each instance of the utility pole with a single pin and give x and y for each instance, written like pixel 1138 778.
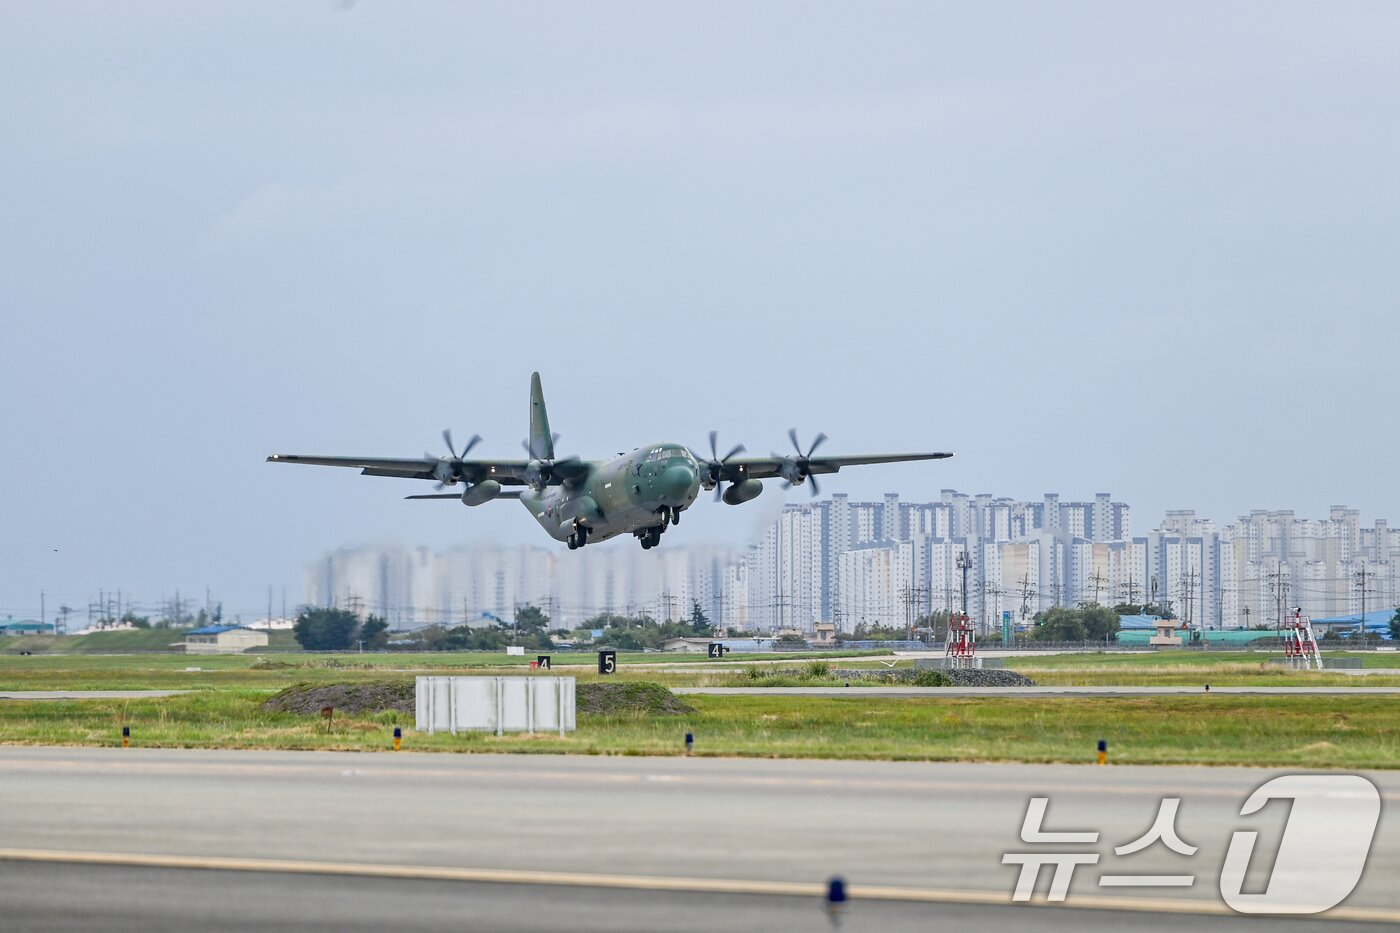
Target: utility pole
pixel 1361 585
pixel 1025 594
pixel 1276 586
pixel 1098 580
pixel 43 613
pixel 1190 596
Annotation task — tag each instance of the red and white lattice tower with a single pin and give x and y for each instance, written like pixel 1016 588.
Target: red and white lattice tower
pixel 1299 642
pixel 962 642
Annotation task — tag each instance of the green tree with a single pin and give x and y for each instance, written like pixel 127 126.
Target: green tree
pixel 1395 624
pixel 699 622
pixel 936 622
pixel 531 619
pixel 1100 622
pixel 374 633
pixel 325 629
pixel 1059 623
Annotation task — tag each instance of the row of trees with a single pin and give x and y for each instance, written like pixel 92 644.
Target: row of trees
pixel 339 630
pixel 530 629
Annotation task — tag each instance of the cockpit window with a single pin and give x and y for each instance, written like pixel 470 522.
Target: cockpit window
pixel 668 453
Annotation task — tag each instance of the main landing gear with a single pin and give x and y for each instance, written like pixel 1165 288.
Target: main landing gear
pixel 578 537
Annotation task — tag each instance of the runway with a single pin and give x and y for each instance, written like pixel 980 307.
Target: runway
pixel 88 694
pixel 149 839
pixel 1037 691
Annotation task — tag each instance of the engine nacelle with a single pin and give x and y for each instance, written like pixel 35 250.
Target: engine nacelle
pixel 484 491
pixel 743 491
pixel 793 473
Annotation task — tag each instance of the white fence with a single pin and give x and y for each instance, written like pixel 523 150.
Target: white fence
pixel 494 704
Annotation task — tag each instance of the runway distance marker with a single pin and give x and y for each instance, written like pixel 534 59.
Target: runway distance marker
pixel 1191 906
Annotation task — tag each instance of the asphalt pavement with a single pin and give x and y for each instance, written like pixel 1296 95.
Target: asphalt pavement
pixel 182 839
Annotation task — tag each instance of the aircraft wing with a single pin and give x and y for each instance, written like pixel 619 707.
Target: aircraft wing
pixel 505 472
pixel 740 468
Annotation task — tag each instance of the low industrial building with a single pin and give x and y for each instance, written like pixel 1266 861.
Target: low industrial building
pixel 223 639
pixel 25 627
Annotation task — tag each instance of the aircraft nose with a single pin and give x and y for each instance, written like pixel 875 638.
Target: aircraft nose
pixel 678 481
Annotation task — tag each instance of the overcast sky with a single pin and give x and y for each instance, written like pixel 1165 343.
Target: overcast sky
pixel 1148 249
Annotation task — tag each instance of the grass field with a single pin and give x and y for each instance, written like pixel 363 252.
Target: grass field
pixel 224 711
pixel 1281 731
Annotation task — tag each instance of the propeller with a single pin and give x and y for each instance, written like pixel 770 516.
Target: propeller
pixel 448 471
pixel 715 465
pixel 541 470
pixel 798 470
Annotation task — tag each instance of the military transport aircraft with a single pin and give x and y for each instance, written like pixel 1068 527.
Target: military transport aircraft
pixel 578 501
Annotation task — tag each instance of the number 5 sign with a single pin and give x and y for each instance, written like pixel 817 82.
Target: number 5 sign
pixel 607 662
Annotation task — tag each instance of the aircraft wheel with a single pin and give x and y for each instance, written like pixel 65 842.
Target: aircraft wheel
pixel 573 542
pixel 675 516
pixel 582 534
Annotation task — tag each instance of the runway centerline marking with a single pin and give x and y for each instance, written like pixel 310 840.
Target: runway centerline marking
pixel 647 883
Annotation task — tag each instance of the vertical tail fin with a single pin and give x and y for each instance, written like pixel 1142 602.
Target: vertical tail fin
pixel 541 441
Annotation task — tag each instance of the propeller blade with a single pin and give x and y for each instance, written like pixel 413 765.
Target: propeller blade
pixel 813 480
pixel 792 435
pixel 476 439
pixel 738 449
pixel 719 493
pixel 447 438
pixel 815 444
pixel 714 436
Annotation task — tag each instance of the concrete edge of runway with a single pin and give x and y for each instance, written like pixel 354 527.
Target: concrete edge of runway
pixel 815 890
